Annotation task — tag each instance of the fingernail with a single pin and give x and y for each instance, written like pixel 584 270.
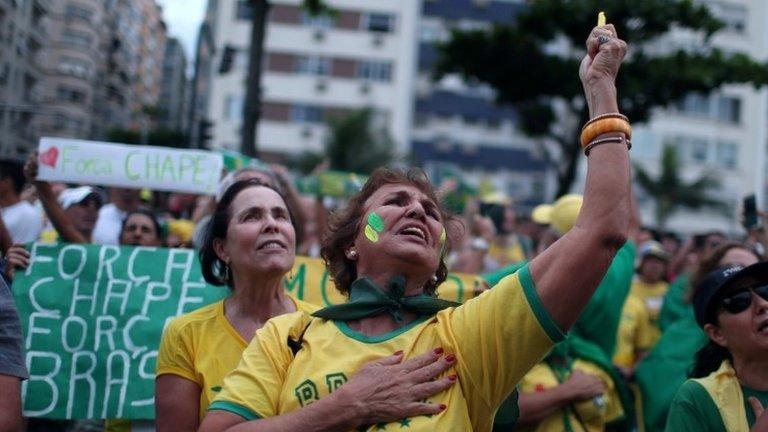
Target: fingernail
pixel 450 358
pixel 438 351
pixel 452 378
pixel 398 352
pixel 443 407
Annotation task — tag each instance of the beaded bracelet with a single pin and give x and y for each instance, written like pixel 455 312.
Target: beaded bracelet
pixel 608 140
pixel 604 125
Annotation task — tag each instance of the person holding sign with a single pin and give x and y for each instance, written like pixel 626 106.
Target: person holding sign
pixel 387 250
pixel 249 246
pixel 76 211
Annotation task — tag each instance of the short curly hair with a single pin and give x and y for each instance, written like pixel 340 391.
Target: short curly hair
pixel 344 225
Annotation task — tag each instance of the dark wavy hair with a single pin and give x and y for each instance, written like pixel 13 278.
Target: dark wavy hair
pixel 344 225
pixel 211 265
pixel 711 262
pixel 152 216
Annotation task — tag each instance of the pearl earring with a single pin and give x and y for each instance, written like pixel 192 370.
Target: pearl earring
pixel 352 254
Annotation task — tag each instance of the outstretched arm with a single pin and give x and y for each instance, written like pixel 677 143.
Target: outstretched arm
pixel 568 272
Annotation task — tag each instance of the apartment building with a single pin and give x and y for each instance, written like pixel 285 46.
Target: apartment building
pixel 76 68
pixel 23 36
pixel 315 68
pixel 458 124
pixel 173 88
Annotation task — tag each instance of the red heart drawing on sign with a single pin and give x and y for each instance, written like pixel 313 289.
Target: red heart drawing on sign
pixel 49 157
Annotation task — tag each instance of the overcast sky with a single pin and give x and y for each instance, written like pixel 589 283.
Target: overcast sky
pixel 183 18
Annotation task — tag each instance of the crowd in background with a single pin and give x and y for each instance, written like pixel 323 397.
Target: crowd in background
pixel 586 380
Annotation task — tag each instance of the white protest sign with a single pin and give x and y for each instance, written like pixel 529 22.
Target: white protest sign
pixel 130 166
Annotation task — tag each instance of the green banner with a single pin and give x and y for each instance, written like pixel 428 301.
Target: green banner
pixel 93 316
pixel 335 184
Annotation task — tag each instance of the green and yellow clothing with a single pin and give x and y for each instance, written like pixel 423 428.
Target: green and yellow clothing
pixel 599 322
pixel 203 347
pixel 497 337
pixel 634 332
pixel 652 296
pixel 511 249
pixel 668 362
pixel 715 403
pixel 676 303
pixel 591 415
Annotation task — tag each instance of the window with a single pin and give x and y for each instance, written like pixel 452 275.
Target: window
pixel 734 16
pixel 233 107
pixel 76 12
pixel 76 38
pixel 379 22
pixel 729 109
pixel 68 94
pixel 306 113
pixel 727 154
pixel 374 70
pixel 313 66
pixel 699 150
pixel 74 67
pixel 694 104
pixel 243 10
pixel 323 21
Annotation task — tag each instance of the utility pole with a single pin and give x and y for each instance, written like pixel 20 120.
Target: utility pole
pixel 252 105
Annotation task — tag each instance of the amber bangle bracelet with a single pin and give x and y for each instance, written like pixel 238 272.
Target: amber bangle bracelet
pixel 603 126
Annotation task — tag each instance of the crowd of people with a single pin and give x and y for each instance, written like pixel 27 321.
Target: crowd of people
pixel 590 321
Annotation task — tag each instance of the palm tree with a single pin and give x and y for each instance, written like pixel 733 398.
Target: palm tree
pixel 672 193
pixel 356 144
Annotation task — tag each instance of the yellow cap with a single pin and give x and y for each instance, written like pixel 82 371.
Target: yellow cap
pixel 565 211
pixel 542 214
pixel 496 198
pixel 182 228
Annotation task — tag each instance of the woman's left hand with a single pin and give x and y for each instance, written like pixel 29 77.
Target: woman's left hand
pixel 17 257
pixel 761 416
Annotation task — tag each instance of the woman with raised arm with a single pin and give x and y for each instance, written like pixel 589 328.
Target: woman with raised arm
pixel 386 251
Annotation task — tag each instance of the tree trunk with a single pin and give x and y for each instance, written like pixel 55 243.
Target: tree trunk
pixel 252 105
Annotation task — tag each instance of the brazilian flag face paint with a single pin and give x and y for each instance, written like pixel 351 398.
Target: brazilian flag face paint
pixel 374 227
pixel 443 238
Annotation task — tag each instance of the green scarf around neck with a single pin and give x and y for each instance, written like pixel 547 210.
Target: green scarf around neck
pixel 366 299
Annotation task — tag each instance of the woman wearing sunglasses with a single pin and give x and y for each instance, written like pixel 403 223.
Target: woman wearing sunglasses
pixel 729 389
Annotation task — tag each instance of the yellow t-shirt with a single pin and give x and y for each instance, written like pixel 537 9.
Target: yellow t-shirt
pixel 634 332
pixel 652 296
pixel 203 347
pixel 595 413
pixel 496 338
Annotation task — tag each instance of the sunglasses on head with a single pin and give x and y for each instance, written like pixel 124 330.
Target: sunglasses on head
pixel 739 302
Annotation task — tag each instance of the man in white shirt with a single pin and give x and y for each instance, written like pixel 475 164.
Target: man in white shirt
pixel 23 221
pixel 122 201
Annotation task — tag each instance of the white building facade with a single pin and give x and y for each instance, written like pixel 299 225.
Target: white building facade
pixel 314 69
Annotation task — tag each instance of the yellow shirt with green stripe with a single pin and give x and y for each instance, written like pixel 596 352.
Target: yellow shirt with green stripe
pixel 634 333
pixel 496 337
pixel 593 414
pixel 652 296
pixel 203 347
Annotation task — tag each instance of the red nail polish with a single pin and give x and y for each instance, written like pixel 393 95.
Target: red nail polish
pixel 452 378
pixel 450 358
pixel 438 351
pixel 443 407
pixel 398 352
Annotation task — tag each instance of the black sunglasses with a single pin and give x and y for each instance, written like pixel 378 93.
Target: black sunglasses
pixel 739 302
